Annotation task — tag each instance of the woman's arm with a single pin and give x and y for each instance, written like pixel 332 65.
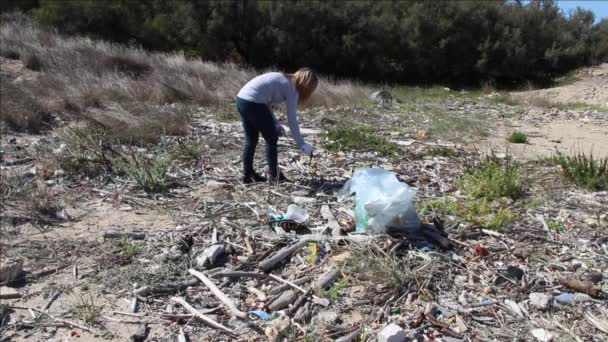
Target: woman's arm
pixel 292 119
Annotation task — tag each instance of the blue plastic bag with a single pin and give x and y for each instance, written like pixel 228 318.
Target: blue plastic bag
pixel 382 201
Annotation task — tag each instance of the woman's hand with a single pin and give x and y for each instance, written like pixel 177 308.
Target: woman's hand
pixel 280 130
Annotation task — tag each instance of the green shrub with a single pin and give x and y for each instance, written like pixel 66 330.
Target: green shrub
pixel 348 139
pixel 492 180
pixel 583 170
pixel 149 174
pixel 518 138
pixel 482 212
pixel 443 151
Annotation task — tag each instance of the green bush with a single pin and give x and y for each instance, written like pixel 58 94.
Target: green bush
pixel 348 139
pixel 492 180
pixel 482 212
pixel 583 170
pixel 518 138
pixel 150 175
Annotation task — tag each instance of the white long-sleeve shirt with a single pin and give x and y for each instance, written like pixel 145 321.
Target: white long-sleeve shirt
pixel 274 88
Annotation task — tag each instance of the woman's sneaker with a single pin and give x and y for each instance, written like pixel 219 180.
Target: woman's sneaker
pixel 253 178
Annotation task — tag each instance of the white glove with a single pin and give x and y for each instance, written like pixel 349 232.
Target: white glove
pixel 280 130
pixel 307 149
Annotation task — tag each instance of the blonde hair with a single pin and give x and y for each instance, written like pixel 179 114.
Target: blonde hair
pixel 305 81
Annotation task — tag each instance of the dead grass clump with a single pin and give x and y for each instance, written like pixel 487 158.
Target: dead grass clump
pixel 127 65
pixel 85 309
pixel 20 110
pixel 12 185
pixel 371 264
pixel 139 123
pixel 31 61
pixel 9 53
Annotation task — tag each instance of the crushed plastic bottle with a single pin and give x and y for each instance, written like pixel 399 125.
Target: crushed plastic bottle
pixel 382 202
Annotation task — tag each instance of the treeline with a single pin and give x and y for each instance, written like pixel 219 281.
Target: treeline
pixel 456 42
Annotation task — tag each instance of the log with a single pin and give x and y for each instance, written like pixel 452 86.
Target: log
pixel 202 317
pixel 336 229
pixel 326 280
pixel 120 235
pixel 281 255
pixel 283 301
pixel 580 286
pixel 219 294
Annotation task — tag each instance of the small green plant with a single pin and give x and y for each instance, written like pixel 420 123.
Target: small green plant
pixel 85 309
pixel 518 138
pixel 189 150
pixel 492 180
pixel 149 174
pixel 361 138
pixel 482 212
pixel 554 224
pixel 443 151
pixel 334 291
pixel 583 170
pixel 130 249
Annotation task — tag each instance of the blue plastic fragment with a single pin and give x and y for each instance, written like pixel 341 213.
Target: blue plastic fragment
pixel 566 298
pixel 261 314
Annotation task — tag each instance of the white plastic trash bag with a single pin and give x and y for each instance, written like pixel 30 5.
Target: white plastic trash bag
pixel 382 201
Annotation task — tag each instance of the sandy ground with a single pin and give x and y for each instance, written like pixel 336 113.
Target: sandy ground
pixel 591 88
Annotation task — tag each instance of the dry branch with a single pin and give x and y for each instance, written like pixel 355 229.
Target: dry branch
pixel 281 255
pixel 202 317
pixel 219 294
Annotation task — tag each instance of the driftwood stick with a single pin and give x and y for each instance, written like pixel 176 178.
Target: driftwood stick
pixel 119 235
pixel 287 282
pixel 202 317
pixel 51 300
pixel 279 289
pixel 281 255
pixel 169 287
pixel 581 286
pixel 327 279
pixel 66 322
pixel 299 302
pixel 336 229
pixel 238 274
pixel 283 301
pixel 219 294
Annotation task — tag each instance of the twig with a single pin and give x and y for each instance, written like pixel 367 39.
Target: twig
pixel 202 317
pixel 72 324
pixel 219 294
pixel 287 282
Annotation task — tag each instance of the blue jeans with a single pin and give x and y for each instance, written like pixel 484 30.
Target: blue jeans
pixel 257 118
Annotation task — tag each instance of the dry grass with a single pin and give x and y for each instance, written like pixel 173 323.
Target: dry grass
pixel 104 81
pixel 20 110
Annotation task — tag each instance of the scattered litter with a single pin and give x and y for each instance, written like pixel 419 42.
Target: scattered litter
pixel 392 333
pixel 542 335
pixel 261 314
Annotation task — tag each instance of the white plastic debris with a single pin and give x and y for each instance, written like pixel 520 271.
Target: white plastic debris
pixel 297 214
pixel 210 255
pixel 542 335
pixel 391 333
pixel 540 300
